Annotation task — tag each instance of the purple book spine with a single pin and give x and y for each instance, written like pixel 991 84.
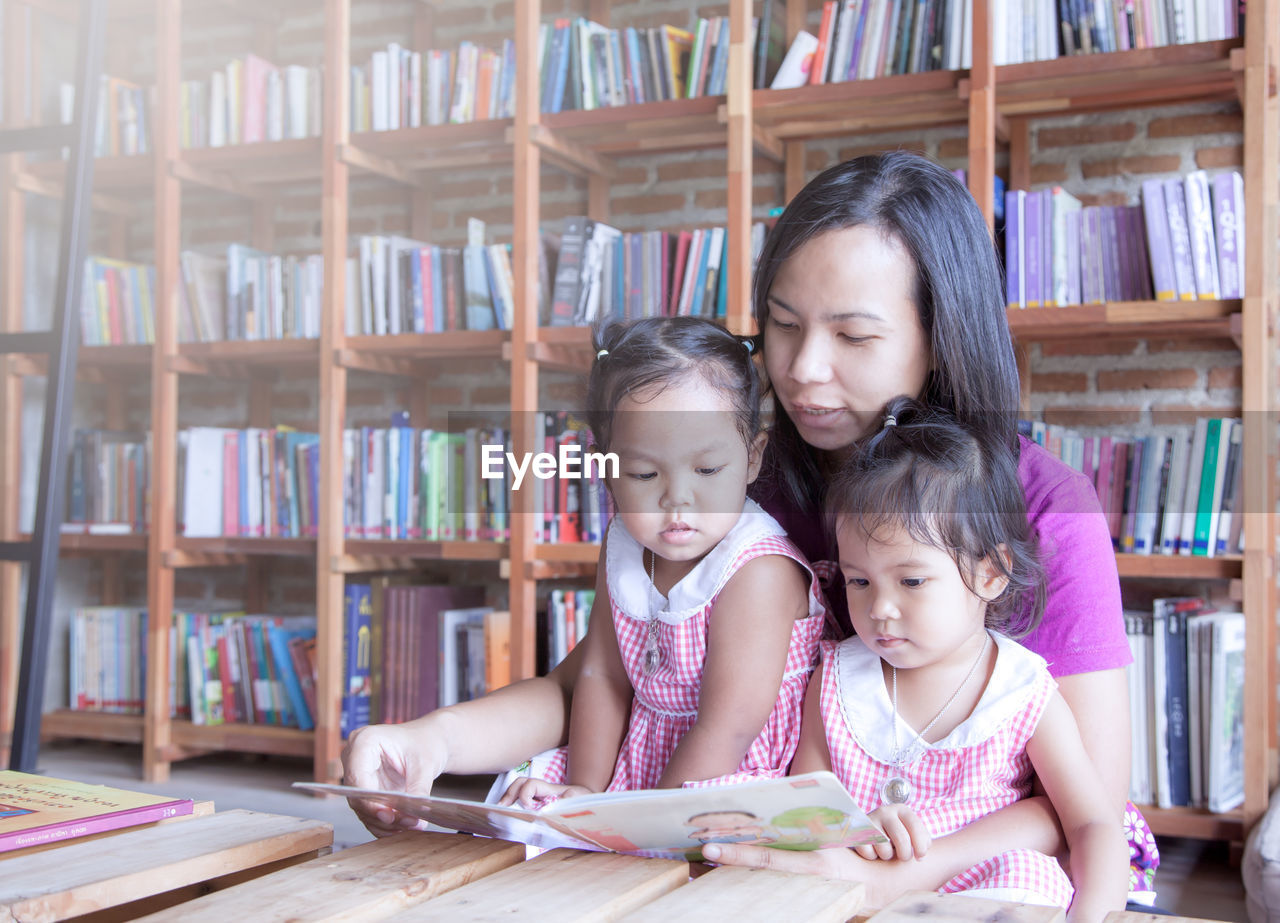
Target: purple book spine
pixel 1158 243
pixel 1031 234
pixel 1013 249
pixel 1110 262
pixel 1046 248
pixel 1200 226
pixel 1127 256
pixel 1088 217
pixel 1073 256
pixel 1179 239
pixel 66 830
pixel 1226 224
pixel 1143 275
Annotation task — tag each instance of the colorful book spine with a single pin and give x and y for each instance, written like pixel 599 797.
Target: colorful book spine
pixel 1180 239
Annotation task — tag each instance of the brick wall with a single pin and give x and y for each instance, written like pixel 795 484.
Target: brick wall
pixel 1135 384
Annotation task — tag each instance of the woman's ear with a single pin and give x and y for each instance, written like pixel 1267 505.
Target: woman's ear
pixel 989 577
pixel 755 456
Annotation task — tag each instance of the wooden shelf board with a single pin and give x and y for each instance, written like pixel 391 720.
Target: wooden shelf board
pixel 388 554
pixel 232 358
pixel 905 100
pixel 92 725
pixel 129 360
pixel 90 542
pixel 229 549
pixel 247 738
pixel 297 160
pixel 1164 319
pixel 1190 567
pixel 568 552
pixel 671 125
pixel 1194 823
pixel 452 344
pixel 440 145
pixel 136 171
pixel 1122 79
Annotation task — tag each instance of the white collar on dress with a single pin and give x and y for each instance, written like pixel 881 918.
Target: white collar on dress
pixel 631 590
pixel 868 711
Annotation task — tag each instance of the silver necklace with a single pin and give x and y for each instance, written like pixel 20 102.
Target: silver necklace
pixel 897 789
pixel 652 656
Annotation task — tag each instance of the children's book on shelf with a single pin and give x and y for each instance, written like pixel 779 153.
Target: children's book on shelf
pixel 38 809
pixel 107 662
pixel 799 813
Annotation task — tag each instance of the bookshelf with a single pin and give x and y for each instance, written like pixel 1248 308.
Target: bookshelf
pixel 997 104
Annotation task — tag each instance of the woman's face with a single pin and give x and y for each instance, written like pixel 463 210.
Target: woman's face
pixel 844 336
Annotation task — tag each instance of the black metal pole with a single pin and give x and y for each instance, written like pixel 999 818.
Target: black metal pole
pixel 42 571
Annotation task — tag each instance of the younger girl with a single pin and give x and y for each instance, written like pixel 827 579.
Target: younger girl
pixel 716 616
pixel 932 716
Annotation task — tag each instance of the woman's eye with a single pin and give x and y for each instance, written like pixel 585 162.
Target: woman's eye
pixel 850 338
pixel 782 325
pixel 707 472
pixel 913 581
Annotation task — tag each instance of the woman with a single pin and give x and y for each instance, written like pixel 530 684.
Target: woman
pixel 878 280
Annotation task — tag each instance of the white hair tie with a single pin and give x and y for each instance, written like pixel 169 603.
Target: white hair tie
pixel 890 420
pixel 602 353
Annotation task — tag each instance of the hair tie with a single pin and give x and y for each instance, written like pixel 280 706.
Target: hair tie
pixel 750 345
pixel 602 353
pixel 890 420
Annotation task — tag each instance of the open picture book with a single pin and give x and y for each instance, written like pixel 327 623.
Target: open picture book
pixel 797 812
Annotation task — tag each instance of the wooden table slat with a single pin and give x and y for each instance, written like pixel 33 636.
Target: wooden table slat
pixel 953 908
pixel 562 885
pixel 366 882
pixel 756 894
pixel 86 877
pixel 1133 916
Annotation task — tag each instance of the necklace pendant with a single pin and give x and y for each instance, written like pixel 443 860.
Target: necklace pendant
pixel 896 790
pixel 652 654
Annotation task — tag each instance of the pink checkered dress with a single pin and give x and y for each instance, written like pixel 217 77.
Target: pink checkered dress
pixel 978 768
pixel 666 702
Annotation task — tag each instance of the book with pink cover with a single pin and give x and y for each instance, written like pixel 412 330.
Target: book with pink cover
pixel 39 809
pixel 805 812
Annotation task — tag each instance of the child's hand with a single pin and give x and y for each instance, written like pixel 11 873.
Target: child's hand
pixel 908 838
pixel 534 793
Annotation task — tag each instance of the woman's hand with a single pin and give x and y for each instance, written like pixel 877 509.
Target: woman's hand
pixel 534 793
pixel 908 837
pixel 391 758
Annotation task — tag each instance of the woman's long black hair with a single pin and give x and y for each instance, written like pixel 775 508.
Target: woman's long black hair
pixel 958 292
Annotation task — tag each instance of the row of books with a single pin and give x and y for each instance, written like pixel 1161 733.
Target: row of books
pixel 602 273
pixel 1172 495
pixel 568 509
pixel 1089 26
pixel 412 648
pixel 123 125
pixel 232 668
pixel 399 285
pixel 864 39
pixel 107 659
pixel 401 88
pixel 585 65
pixel 249 482
pixel 406 483
pixel 1186 700
pixel 250 100
pixel 1186 241
pixel 108 482
pixel 567 615
pixel 117 303
pixel 250 295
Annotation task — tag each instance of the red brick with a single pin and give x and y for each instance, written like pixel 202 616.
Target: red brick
pixel 648 204
pixel 1095 347
pixel 1059 381
pixel 458 15
pixel 1105 198
pixel 631 173
pixel 1125 166
pixel 554 211
pixel 1185 414
pixel 489 395
pixel 1092 416
pixel 953 147
pixel 857 150
pixel 1187 125
pixel 451 189
pixel 1048 173
pixel 1231 377
pixel 698 168
pixel 445 397
pixel 1191 346
pixel 816 160
pixel 1231 155
pixel 1147 379
pixel 1084 134
pixel 571 392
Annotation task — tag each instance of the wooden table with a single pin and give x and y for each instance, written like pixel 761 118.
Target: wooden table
pixel 241 866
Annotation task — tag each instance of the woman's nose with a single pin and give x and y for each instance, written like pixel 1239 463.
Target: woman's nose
pixel 812 361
